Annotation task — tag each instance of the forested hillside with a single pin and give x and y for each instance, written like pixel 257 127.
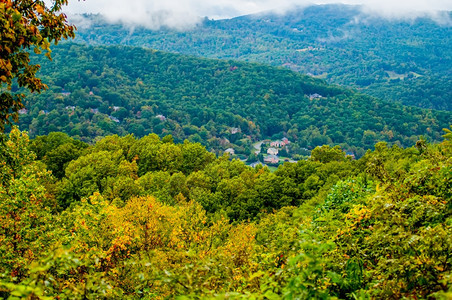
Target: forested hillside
pixel 127 176
pixel 97 91
pixel 406 60
pixel 146 218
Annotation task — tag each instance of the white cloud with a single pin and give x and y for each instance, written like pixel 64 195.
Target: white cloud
pixel 403 8
pixel 181 14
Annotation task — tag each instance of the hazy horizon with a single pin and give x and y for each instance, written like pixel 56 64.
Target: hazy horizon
pixel 183 14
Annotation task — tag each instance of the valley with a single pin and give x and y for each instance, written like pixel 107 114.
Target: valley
pixel 98 91
pixel 297 155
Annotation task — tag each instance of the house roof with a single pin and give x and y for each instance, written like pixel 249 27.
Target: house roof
pixel 272 151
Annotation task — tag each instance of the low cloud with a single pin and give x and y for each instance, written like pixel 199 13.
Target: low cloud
pixel 184 14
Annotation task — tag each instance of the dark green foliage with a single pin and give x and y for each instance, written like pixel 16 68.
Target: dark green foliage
pixel 406 61
pixel 57 149
pixel 219 104
pixel 122 167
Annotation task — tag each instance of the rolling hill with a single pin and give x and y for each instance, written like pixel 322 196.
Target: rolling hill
pixel 406 61
pixel 97 91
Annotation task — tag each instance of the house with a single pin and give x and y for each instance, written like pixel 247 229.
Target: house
pixel 271 159
pixel 279 144
pixel 276 144
pixel 114 119
pixel 234 130
pixel 351 154
pixel 255 164
pixel 272 151
pixel 230 151
pixel 315 96
pixel 161 117
pixel 23 111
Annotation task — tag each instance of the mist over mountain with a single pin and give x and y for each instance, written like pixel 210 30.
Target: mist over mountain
pixel 254 163
pixel 182 15
pixel 402 60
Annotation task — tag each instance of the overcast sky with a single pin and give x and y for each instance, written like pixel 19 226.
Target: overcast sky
pixel 184 13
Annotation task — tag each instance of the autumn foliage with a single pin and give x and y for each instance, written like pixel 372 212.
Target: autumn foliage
pixel 125 221
pixel 25 25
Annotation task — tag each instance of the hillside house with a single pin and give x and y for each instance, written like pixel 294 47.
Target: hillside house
pixel 230 151
pixel 161 117
pixel 315 96
pixel 234 130
pixel 277 144
pixel 114 119
pixel 272 151
pixel 271 159
pixel 280 143
pixel 255 164
pixel 351 154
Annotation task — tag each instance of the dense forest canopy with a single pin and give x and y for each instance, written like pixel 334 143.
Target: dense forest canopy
pixel 97 91
pixel 146 218
pixel 116 185
pixel 406 61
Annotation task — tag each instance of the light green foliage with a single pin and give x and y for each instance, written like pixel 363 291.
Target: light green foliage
pixel 379 227
pixel 325 154
pixel 24 219
pixel 56 150
pixel 400 233
pixel 88 174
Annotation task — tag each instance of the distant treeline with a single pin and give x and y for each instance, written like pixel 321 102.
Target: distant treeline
pixel 406 61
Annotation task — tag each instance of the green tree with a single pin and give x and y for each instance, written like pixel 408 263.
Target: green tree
pixel 24 219
pixel 26 24
pixel 327 154
pixel 58 159
pixel 91 173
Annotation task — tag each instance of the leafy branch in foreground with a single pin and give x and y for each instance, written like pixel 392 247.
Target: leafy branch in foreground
pixel 26 24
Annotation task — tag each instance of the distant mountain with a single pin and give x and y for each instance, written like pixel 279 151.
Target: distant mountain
pixel 98 91
pixel 407 61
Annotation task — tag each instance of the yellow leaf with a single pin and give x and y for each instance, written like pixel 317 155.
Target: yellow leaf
pixel 39 9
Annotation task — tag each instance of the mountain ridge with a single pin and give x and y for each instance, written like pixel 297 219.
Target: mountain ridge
pixel 98 91
pixel 402 61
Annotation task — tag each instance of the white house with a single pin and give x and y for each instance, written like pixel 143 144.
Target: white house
pixel 272 151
